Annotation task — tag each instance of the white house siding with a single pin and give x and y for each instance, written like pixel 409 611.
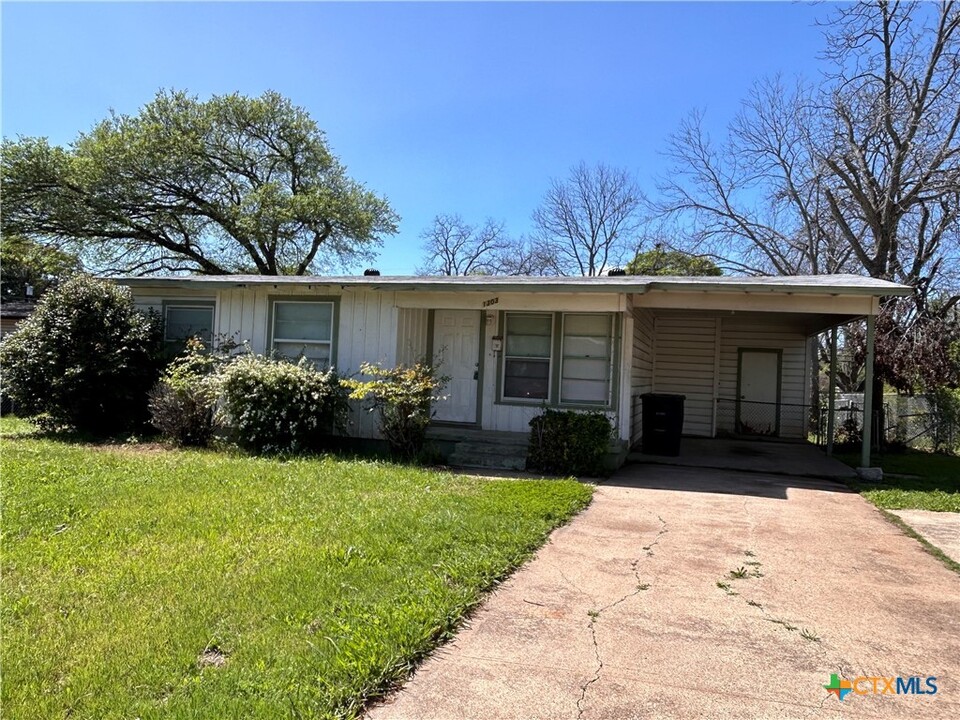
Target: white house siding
pixel 515 417
pixel 685 362
pixel 641 376
pixel 759 333
pixel 367 327
pixel 412 334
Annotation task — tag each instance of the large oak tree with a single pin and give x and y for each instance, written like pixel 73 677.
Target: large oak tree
pixel 230 184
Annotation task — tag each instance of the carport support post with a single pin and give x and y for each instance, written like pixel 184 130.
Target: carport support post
pixel 868 393
pixel 832 390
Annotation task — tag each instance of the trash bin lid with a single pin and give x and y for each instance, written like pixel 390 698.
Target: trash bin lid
pixel 668 396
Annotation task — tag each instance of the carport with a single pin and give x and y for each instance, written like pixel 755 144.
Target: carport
pixel 743 353
pixel 796 458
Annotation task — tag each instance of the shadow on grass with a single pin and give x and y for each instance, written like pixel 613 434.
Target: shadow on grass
pixel 19 429
pixel 911 470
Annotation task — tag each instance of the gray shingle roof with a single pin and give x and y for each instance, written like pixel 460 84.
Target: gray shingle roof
pixel 819 284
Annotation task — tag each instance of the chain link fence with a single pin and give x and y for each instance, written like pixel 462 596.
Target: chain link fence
pixel 747 417
pixel 923 422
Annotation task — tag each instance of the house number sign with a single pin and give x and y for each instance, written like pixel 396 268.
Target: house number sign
pixel 491 301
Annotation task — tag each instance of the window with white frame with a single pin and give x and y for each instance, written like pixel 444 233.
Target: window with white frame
pixel 303 328
pixel 577 369
pixel 182 321
pixel 527 356
pixel 587 359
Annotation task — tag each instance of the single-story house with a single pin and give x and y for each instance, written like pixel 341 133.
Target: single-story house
pixel 740 349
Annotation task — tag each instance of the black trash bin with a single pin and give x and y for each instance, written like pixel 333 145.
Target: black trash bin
pixel 662 423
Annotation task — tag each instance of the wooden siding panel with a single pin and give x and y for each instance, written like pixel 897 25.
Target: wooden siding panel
pixel 411 335
pixel 641 376
pixel 684 363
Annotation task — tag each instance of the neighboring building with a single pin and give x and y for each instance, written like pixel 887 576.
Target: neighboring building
pixel 12 312
pixel 737 348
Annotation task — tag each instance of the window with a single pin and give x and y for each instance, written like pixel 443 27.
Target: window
pixel 526 366
pixel 587 359
pixel 303 329
pixel 577 368
pixel 185 321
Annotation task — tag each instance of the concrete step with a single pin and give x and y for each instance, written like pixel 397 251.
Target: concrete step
pixel 471 448
pixel 488 461
pixel 492 454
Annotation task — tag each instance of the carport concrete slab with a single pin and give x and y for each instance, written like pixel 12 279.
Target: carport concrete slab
pixel 941 529
pixel 767 456
pixel 620 615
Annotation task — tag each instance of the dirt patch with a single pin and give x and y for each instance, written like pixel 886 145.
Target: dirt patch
pixel 212 657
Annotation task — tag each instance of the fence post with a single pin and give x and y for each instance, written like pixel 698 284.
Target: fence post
pixel 832 390
pixel 868 393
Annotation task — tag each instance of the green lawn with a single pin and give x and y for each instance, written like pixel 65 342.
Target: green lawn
pixel 306 586
pixel 936 487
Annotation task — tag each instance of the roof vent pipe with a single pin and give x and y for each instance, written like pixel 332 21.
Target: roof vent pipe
pixel 371 272
pixel 616 272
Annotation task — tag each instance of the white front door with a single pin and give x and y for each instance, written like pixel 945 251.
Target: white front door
pixel 456 346
pixel 758 407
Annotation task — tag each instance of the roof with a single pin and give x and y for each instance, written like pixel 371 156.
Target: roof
pixel 807 284
pixel 17 309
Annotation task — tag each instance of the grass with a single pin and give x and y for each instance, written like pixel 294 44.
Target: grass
pixel 927 545
pixel 142 582
pixel 935 487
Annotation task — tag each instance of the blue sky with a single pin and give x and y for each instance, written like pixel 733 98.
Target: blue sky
pixel 460 108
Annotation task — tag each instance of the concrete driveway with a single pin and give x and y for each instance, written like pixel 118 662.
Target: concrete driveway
pixel 620 615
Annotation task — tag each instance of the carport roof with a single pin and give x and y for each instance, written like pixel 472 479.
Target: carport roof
pixel 636 284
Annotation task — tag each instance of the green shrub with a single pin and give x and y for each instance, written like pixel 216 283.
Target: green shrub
pixel 84 360
pixel 403 397
pixel 569 443
pixel 182 402
pixel 277 406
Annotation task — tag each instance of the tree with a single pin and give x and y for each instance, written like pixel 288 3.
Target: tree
pixel 218 186
pixel 451 246
pixel 525 256
pixel 454 247
pixel 586 223
pixel 27 262
pixel 660 261
pixel 84 360
pixel 859 173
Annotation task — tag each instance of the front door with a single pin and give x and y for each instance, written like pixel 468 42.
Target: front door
pixel 758 404
pixel 456 345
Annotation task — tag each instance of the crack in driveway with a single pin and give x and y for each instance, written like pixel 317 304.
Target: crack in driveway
pixel 595 614
pixel 596 676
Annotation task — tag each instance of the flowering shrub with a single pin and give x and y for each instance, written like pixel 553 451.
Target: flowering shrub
pixel 277 406
pixel 403 396
pixel 182 402
pixel 84 360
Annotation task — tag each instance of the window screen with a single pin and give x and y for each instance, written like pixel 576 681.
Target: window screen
pixel 304 329
pixel 587 359
pixel 186 321
pixel 526 371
